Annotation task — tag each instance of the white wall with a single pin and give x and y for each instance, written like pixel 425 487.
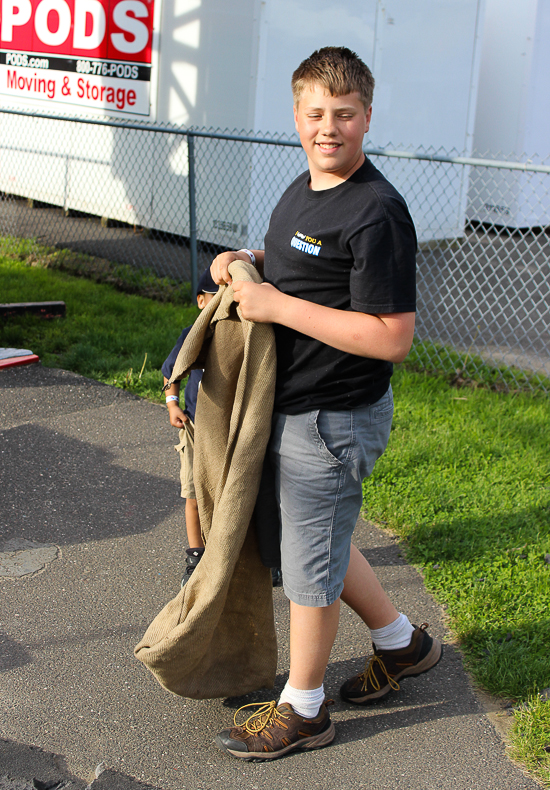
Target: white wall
pixel 513 113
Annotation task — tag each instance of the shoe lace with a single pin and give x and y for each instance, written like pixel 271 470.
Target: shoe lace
pixel 266 715
pixel 368 674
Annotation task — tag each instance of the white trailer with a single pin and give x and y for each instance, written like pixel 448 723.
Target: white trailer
pixel 513 114
pixel 209 63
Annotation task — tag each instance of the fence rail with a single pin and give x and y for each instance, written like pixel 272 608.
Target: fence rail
pixel 163 200
pixel 499 164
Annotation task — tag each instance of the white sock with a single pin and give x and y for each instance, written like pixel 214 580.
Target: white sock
pixel 393 636
pixel 306 702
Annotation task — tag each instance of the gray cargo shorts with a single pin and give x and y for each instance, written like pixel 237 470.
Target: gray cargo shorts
pixel 320 460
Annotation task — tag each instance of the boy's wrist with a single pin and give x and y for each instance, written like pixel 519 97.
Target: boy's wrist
pixel 249 255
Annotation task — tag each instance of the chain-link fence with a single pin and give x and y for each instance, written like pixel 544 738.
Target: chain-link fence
pixel 147 207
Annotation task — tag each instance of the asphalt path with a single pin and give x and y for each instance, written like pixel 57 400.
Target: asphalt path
pixel 92 547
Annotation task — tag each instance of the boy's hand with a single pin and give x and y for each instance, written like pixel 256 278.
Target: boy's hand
pixel 176 415
pixel 259 302
pixel 220 266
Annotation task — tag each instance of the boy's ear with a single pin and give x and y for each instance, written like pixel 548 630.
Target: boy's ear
pixel 295 109
pixel 369 116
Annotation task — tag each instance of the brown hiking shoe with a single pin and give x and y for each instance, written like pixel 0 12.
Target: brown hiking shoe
pixel 273 731
pixel 386 667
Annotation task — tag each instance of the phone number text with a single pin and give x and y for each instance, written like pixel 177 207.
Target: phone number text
pixel 120 70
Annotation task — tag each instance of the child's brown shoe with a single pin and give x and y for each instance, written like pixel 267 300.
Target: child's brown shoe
pixel 385 668
pixel 273 731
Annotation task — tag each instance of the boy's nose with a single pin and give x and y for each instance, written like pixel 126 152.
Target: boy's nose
pixel 329 127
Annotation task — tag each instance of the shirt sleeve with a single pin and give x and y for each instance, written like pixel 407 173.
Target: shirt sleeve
pixel 383 276
pixel 168 364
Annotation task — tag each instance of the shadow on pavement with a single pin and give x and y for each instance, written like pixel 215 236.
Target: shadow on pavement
pixel 361 727
pixel 62 490
pixel 31 767
pixel 12 654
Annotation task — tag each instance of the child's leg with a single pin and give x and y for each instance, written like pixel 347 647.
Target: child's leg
pixel 192 521
pixel 194 537
pixel 364 593
pixel 320 459
pixel 186 448
pixel 193 525
pixel 313 629
pixel 312 634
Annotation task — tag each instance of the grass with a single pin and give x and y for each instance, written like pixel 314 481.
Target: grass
pixel 116 338
pixel 532 742
pixel 465 482
pixel 121 276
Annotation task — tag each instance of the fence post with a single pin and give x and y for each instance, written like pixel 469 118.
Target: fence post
pixel 192 213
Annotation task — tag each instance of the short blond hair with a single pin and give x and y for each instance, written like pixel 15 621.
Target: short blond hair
pixel 337 69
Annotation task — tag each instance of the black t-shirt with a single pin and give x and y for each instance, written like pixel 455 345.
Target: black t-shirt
pixel 352 247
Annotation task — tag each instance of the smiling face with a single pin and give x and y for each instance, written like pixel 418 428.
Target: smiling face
pixel 331 130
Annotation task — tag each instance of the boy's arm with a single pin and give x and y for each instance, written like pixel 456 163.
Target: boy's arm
pixel 220 265
pixel 176 414
pixel 386 336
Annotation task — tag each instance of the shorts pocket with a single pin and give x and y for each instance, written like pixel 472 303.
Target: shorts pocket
pixel 382 410
pixel 331 433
